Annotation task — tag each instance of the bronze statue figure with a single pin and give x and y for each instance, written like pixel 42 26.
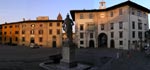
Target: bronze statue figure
pixel 67 27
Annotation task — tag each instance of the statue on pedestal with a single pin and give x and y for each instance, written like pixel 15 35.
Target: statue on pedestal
pixel 67 27
pixel 68 50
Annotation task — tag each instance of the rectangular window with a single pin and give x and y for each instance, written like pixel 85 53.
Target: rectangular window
pixel 120 12
pixel 112 34
pixel 139 24
pixel 81 42
pixel 0 38
pixel 58 31
pixel 17 26
pixel 16 32
pixel 40 32
pixel 91 35
pixel 5 26
pixel 90 16
pixel 120 25
pixel 23 32
pixel 5 39
pixel 0 33
pixel 81 16
pixel 50 24
pixel 81 27
pixel 133 34
pixel 40 39
pixel 111 14
pixel 16 39
pixel 81 35
pixel 140 35
pixel 144 15
pixel 139 13
pixel 32 32
pixel 5 33
pixel 133 11
pixel 23 39
pixel 10 26
pixel 120 34
pixel 50 31
pixel 102 26
pixel 120 42
pixel 133 25
pixel 58 24
pixel 112 26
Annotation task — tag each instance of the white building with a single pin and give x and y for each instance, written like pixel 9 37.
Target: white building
pixel 119 26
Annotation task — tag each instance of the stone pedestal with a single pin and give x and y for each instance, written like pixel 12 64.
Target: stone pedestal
pixel 68 54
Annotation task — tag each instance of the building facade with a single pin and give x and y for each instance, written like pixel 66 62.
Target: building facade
pixel 0 34
pixel 120 26
pixel 42 32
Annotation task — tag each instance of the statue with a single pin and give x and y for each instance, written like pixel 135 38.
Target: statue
pixel 67 27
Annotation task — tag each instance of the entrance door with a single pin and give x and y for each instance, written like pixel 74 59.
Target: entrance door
pixel 54 44
pixel 102 40
pixel 91 44
pixel 112 44
pixel 10 42
pixel 32 40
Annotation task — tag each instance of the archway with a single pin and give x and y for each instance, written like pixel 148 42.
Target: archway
pixel 102 40
pixel 54 44
pixel 91 44
pixel 112 44
pixel 32 40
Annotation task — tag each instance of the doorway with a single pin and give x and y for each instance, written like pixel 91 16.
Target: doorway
pixel 102 40
pixel 91 44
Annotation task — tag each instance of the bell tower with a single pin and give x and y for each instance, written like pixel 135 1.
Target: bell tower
pixel 102 5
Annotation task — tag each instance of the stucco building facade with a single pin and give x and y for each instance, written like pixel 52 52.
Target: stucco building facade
pixel 42 31
pixel 120 26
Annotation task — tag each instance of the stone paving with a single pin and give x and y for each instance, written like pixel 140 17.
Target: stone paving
pixel 23 58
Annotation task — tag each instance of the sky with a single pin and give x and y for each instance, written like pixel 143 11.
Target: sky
pixel 16 10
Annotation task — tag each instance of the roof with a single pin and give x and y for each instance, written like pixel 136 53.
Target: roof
pixel 31 21
pixel 129 3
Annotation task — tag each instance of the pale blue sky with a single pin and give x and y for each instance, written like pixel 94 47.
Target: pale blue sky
pixel 15 10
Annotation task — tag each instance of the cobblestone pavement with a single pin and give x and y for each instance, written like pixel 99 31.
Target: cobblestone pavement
pixel 24 58
pixel 136 61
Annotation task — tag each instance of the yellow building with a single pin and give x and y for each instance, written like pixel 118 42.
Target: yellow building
pixel 42 32
pixel 0 34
